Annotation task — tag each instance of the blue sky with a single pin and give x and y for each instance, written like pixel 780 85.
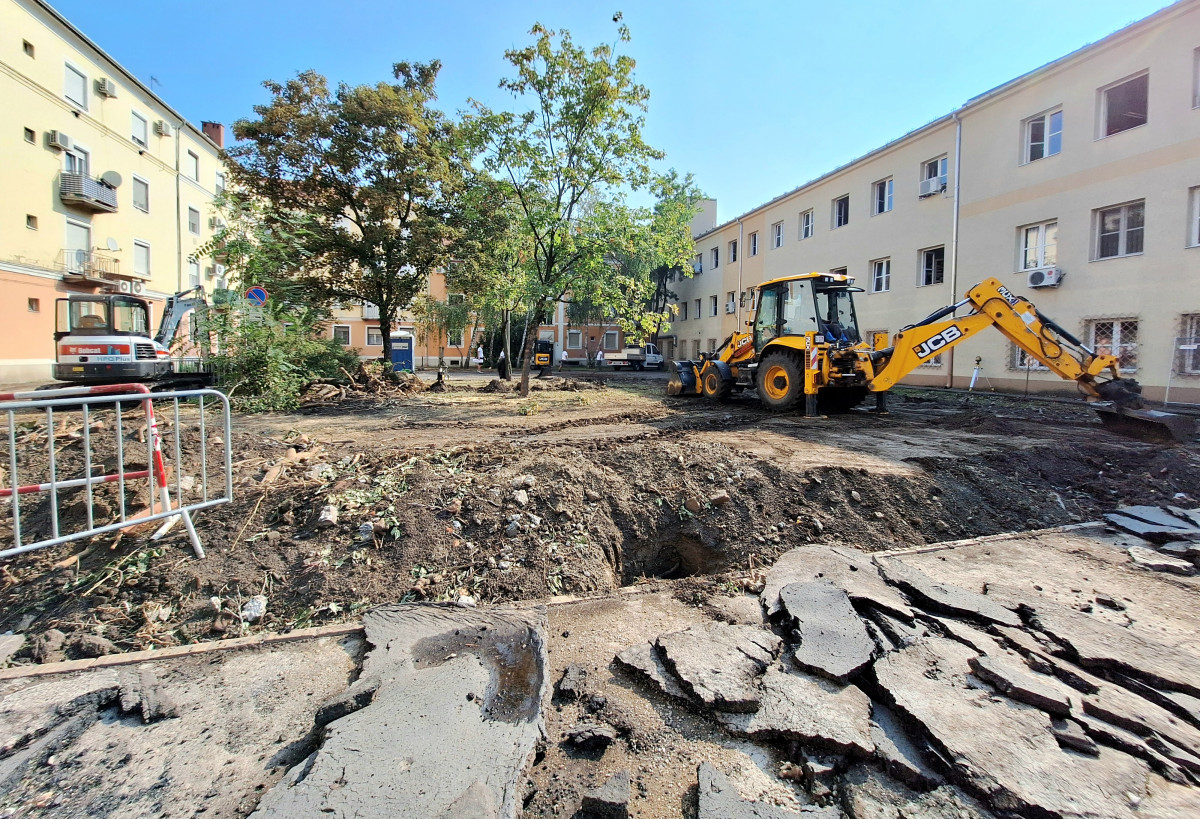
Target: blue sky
pixel 754 98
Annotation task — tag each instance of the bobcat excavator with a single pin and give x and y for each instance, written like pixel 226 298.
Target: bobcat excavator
pixel 804 351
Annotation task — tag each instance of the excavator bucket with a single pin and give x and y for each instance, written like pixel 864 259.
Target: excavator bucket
pixel 1148 425
pixel 685 379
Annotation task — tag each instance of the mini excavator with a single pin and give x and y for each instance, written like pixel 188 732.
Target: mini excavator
pixel 804 352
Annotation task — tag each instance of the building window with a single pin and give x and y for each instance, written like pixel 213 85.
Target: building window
pixel 716 259
pixel 683 305
pixel 219 184
pixel 574 339
pixel 754 243
pixel 883 196
pixel 31 221
pixel 219 272
pixel 712 345
pixel 1190 345
pixel 27 47
pixel 75 87
pixel 193 273
pixel 1022 360
pixel 698 264
pixel 777 234
pixel 456 299
pixel 1039 245
pixel 610 340
pixel 193 166
pixel 140 129
pixel 712 305
pixel 1194 219
pixel 731 302
pixel 193 221
pixel 695 348
pixel 1119 230
pixel 375 337
pixel 141 259
pixel 1117 337
pixel 34 305
pixel 933 266
pixel 881 275
pixel 1196 78
pixel 1124 105
pixel 30 136
pixel 733 251
pixel 1043 136
pixel 696 308
pixel 841 211
pixel 141 194
pixel 341 334
pixel 454 338
pixel 935 169
pixel 77 160
pixel 806 224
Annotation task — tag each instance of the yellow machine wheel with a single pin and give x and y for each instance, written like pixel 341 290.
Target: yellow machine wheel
pixel 714 386
pixel 780 381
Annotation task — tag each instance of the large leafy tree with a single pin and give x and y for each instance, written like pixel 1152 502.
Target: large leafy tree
pixel 376 171
pixel 576 143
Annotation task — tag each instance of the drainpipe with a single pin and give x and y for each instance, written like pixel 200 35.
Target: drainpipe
pixel 179 212
pixel 741 254
pixel 954 232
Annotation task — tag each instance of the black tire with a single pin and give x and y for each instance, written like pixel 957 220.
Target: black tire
pixel 832 401
pixel 780 382
pixel 714 386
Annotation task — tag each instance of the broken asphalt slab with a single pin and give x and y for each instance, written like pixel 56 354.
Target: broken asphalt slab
pixel 718 799
pixel 1020 686
pixel 943 597
pixel 719 664
pixel 848 569
pixel 833 639
pixel 458 703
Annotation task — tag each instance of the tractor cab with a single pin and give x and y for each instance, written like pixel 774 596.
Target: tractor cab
pixel 819 303
pixel 112 315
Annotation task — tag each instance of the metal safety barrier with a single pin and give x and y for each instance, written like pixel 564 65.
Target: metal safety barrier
pixel 72 474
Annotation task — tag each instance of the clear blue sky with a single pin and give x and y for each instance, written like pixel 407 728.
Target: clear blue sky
pixel 754 98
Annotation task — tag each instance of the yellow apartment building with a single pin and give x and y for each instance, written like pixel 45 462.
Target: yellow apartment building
pixel 1077 185
pixel 106 187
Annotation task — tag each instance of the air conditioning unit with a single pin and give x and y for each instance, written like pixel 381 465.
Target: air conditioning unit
pixel 139 287
pixel 59 140
pixel 730 307
pixel 216 223
pixel 125 286
pixel 106 87
pixel 1046 277
pixel 209 272
pixel 932 187
pixel 163 128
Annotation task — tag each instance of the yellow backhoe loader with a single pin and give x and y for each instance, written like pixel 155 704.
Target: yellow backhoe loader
pixel 804 351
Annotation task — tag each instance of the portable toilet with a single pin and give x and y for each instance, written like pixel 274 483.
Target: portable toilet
pixel 402 353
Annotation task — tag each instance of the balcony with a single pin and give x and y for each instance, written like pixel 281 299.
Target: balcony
pixel 85 263
pixel 369 310
pixel 83 191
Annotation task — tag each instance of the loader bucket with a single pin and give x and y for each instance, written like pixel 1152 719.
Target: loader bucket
pixel 683 379
pixel 1148 425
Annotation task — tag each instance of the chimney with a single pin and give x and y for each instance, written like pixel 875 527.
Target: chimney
pixel 214 131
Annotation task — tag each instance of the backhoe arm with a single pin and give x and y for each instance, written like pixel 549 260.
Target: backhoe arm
pixel 174 310
pixel 1018 319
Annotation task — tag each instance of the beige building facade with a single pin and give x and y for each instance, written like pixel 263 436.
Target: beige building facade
pixel 1076 185
pixel 106 187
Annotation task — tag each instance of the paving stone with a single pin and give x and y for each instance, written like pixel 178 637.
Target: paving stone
pixel 900 757
pixel 644 660
pixel 1070 734
pixel 1159 562
pixel 849 569
pixel 610 800
pixel 718 799
pixel 944 597
pixel 1156 516
pixel 422 743
pixel 999 748
pixel 1020 686
pixel 833 640
pixel 719 664
pixel 817 712
pixel 1148 531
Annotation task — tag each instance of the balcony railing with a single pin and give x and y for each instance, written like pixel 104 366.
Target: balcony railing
pixel 80 189
pixel 369 310
pixel 86 263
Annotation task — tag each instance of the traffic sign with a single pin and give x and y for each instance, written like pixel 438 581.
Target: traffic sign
pixel 258 295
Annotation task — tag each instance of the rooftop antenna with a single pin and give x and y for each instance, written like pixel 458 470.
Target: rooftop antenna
pixel 153 82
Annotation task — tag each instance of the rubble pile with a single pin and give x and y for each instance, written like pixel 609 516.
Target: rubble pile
pixel 366 384
pixel 877 683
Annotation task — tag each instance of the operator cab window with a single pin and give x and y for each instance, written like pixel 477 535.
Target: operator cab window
pixel 835 312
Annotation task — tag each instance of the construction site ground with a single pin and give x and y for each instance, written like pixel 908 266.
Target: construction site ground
pixel 630 514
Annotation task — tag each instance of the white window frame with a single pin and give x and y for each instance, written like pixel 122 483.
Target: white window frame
pixel 193 273
pixel 133 187
pixel 219 183
pixel 79 72
pixel 838 212
pixel 807 223
pixel 139 123
pixel 714 258
pixel 696 309
pixel 881 275
pixel 886 187
pixel 1046 120
pixel 1196 78
pixel 374 337
pixel 777 235
pixel 81 156
pixel 141 243
pixel 333 333
pixel 610 341
pixel 733 249
pixel 922 265
pixel 1102 131
pixel 940 167
pixel 1190 359
pixel 713 305
pixel 195 211
pixel 574 339
pixel 754 243
pixel 731 301
pixel 1194 217
pixel 1040 232
pixel 455 337
pixel 1022 361
pixel 698 264
pixel 1117 346
pixel 1123 230
pixel 194 161
pixel 683 310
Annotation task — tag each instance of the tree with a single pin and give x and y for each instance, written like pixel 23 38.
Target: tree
pixel 376 172
pixel 579 142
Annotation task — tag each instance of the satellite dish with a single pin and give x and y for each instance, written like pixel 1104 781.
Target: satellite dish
pixel 112 244
pixel 111 178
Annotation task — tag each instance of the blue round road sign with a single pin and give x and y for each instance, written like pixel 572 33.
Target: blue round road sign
pixel 257 294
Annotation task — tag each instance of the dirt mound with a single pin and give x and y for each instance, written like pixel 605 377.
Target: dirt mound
pixel 369 381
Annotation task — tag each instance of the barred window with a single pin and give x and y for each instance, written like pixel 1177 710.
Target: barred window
pixel 1117 337
pixel 1189 345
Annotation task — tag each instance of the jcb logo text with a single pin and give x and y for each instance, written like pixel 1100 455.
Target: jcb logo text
pixel 928 348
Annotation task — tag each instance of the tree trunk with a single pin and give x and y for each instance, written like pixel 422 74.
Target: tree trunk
pixel 506 346
pixel 528 347
pixel 385 327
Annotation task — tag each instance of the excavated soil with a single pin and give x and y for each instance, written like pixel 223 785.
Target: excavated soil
pixel 581 488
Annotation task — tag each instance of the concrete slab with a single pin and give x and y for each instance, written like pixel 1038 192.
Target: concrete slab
pixel 718 799
pixel 849 569
pixel 833 639
pixel 900 756
pixel 943 597
pixel 718 664
pixel 1153 532
pixel 1020 686
pixel 459 699
pixel 643 660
